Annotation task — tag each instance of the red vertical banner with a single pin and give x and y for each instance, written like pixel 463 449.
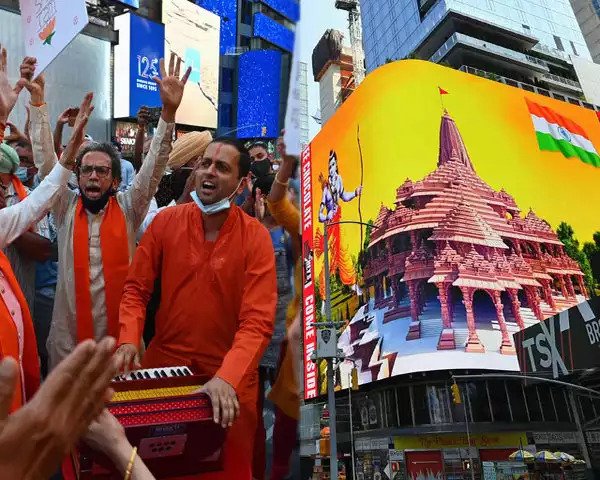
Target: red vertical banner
pixel 308 278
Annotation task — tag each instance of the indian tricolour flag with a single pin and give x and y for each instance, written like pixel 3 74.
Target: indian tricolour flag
pixel 558 133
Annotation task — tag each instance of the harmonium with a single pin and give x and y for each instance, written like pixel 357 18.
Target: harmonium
pixel 167 419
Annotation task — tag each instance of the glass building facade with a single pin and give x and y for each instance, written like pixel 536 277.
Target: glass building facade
pixel 393 29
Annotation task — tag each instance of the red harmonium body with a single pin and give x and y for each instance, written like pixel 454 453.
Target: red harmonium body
pixel 171 425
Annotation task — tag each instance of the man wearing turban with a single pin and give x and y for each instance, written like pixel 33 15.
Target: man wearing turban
pixel 30 247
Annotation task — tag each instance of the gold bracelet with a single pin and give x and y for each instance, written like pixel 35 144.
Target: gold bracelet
pixel 285 184
pixel 130 465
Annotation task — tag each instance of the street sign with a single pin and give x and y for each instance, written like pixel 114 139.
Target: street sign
pixel 327 343
pixel 563 343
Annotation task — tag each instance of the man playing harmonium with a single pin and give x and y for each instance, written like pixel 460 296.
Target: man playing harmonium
pixel 219 292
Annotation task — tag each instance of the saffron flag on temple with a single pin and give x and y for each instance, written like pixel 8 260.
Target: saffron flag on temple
pixel 443 92
pixel 558 133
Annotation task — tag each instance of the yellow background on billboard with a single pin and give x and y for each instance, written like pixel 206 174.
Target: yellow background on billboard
pixel 398 108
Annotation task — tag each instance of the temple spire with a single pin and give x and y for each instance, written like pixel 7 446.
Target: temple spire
pixel 452 147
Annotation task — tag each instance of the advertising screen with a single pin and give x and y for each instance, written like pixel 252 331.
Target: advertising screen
pixel 477 208
pixel 258 101
pixel 136 59
pixel 193 34
pixel 273 32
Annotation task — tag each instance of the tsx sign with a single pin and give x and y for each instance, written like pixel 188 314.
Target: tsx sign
pixel 563 343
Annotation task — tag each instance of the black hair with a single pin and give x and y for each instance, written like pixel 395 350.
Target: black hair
pixel 259 143
pixel 108 149
pixel 264 183
pixel 244 161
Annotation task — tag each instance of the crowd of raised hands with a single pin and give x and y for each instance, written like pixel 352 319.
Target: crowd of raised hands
pixel 70 404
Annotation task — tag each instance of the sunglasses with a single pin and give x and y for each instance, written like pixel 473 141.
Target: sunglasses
pixel 87 170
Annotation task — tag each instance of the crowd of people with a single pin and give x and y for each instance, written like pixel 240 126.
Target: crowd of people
pixel 187 255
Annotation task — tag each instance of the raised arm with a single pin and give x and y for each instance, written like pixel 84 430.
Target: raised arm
pixel 42 143
pixel 17 219
pixel 137 198
pixel 143 116
pixel 282 210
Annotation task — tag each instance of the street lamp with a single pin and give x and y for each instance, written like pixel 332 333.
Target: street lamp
pixel 327 347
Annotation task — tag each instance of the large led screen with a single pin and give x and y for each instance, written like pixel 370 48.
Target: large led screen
pixel 480 208
pixel 193 34
pixel 259 89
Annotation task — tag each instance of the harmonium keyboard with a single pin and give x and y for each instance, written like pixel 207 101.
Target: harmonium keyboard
pixel 169 421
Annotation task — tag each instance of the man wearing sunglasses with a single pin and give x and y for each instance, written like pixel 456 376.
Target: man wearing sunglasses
pixel 97 226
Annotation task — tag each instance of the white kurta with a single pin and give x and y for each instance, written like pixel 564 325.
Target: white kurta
pixel 134 203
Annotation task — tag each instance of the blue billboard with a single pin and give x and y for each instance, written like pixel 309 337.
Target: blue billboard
pixel 273 32
pixel 259 94
pixel 147 47
pixel 288 8
pixel 227 10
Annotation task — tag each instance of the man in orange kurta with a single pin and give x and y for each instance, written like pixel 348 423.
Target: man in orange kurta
pixel 218 298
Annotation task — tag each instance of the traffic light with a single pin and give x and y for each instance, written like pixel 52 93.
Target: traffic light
pixel 354 378
pixel 456 394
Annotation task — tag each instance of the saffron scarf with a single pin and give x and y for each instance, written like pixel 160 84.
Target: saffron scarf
pixel 29 375
pixel 115 263
pixel 19 187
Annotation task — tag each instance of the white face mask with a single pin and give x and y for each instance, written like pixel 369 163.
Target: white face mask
pixel 216 207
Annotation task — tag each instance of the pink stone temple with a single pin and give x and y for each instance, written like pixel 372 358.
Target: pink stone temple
pixel 452 235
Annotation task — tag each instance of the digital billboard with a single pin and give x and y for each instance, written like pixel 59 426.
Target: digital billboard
pixel 136 62
pixel 477 203
pixel 259 90
pixel 271 31
pixel 193 33
pixel 227 11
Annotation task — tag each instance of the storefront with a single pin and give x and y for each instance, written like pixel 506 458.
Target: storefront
pixel 432 456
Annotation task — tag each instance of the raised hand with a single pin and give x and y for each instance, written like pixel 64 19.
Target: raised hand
pixel 259 205
pixel 171 87
pixel 15 134
pixel 8 94
pixel 35 87
pixel 35 439
pixel 68 116
pixel 85 110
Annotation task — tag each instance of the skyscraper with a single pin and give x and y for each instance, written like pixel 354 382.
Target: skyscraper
pixel 588 16
pixel 533 42
pixel 257 40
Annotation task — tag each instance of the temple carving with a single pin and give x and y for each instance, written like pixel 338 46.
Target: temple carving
pixel 451 241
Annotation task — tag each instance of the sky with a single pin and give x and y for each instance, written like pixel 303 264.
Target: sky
pixel 323 15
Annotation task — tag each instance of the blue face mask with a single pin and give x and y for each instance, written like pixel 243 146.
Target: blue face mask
pixel 21 174
pixel 216 207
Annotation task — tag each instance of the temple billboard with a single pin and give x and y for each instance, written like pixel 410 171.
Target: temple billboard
pixel 478 203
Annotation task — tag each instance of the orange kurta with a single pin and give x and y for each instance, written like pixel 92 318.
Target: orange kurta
pixel 216 313
pixel 29 379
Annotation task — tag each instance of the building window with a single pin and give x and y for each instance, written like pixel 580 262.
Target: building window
pixel 225 119
pixel 563 409
pixel 244 41
pixel 559 43
pixel 438 399
pixel 517 401
pixel 480 405
pixel 499 400
pixel 404 408
pixel 574 49
pixel 227 80
pixel 596 5
pixel 421 405
pixel 533 404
